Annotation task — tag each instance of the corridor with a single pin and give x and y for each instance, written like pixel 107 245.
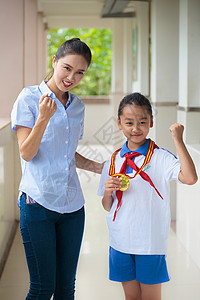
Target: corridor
pixel 92 276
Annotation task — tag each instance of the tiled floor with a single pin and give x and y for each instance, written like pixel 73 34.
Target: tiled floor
pixel 92 277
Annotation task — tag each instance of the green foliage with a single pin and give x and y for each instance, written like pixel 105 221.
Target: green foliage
pixel 97 80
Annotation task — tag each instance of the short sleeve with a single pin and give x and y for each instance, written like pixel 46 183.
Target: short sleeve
pixel 104 177
pixel 172 166
pixel 23 112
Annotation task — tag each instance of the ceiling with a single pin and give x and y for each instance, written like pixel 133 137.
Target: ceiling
pixel 103 8
pixel 70 8
pixel 57 12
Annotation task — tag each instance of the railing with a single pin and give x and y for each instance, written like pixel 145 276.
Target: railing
pixel 10 174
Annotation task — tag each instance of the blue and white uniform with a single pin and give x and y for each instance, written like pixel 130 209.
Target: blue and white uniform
pixel 50 178
pixel 142 223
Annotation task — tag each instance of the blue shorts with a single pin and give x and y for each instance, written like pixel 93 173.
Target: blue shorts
pixel 146 269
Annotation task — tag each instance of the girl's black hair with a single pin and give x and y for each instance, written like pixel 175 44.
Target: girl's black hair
pixel 136 99
pixel 74 46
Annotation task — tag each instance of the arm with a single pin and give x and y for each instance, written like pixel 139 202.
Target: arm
pixel 188 173
pixel 87 164
pixel 30 139
pixel 112 184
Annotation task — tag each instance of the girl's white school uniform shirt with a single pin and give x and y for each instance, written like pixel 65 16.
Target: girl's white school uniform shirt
pixel 142 223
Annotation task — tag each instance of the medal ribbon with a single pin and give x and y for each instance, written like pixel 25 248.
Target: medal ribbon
pixel 128 159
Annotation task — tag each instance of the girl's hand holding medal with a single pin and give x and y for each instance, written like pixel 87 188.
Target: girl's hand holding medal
pixel 113 184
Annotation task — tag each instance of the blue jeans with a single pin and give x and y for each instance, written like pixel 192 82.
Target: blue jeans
pixel 52 244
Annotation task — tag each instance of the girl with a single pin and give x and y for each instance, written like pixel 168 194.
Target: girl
pixel 49 123
pixel 139 214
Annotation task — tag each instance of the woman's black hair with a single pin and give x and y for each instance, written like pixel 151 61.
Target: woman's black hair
pixel 136 99
pixel 74 46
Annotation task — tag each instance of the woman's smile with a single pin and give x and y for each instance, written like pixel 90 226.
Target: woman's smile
pixel 67 84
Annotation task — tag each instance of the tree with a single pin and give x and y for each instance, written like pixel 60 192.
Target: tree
pixel 97 80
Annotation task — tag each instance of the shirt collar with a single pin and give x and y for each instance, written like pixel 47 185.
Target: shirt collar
pixel 142 149
pixel 45 89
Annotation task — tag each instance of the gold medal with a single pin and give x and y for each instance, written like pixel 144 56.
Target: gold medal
pixel 125 183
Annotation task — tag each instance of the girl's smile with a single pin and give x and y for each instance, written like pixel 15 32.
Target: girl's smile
pixel 135 122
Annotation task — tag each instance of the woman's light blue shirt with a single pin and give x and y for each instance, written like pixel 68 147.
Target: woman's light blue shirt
pixel 50 178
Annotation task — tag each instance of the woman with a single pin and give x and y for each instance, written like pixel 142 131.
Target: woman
pixel 49 123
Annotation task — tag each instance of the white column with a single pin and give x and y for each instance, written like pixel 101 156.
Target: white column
pixel 188 221
pixel 164 41
pixel 164 67
pixel 117 59
pixel 127 55
pixel 164 75
pixel 42 49
pixel 189 69
pixel 117 84
pixel 141 27
pixel 118 72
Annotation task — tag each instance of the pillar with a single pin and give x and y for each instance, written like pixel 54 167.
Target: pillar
pixel 121 70
pixel 141 32
pixel 189 70
pixel 188 206
pixel 164 74
pixel 42 63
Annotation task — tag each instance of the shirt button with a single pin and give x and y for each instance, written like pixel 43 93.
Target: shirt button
pixel 66 169
pixel 67 127
pixel 65 183
pixel 66 142
pixel 65 156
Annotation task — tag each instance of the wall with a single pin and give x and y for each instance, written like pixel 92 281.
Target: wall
pixel 11 53
pixel 96 117
pixel 23 56
pixel 188 208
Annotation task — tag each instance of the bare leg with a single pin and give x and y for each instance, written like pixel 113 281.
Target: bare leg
pixel 132 290
pixel 151 292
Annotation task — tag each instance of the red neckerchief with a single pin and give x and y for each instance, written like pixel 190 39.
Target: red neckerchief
pixel 128 160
